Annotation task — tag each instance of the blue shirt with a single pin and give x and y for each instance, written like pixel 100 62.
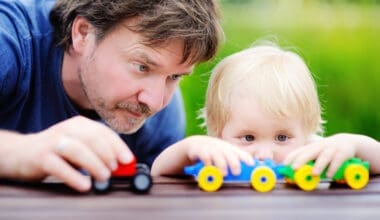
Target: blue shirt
pixel 32 97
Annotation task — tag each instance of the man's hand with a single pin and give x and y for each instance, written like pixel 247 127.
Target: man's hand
pixel 77 143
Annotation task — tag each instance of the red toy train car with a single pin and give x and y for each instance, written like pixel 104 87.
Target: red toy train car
pixel 133 173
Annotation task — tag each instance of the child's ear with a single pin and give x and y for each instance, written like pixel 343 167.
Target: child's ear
pixel 80 32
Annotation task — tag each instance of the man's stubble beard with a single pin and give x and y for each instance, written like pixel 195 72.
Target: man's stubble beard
pixel 109 117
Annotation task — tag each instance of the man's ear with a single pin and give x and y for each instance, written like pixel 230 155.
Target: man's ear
pixel 80 33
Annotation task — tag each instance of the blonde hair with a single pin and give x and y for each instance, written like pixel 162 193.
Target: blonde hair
pixel 277 79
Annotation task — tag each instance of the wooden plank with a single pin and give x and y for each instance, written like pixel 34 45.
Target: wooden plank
pixel 174 198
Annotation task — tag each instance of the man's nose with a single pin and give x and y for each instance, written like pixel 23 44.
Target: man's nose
pixel 153 95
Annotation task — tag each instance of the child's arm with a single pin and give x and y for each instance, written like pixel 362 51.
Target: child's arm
pixel 334 150
pixel 207 149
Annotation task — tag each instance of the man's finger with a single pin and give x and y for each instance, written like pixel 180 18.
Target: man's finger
pixel 122 151
pixel 57 167
pixel 77 153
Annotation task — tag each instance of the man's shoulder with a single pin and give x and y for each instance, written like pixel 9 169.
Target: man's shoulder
pixel 25 18
pixel 26 37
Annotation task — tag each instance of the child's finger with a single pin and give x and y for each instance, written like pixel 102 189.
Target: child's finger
pixel 323 160
pixel 205 157
pixel 336 162
pixel 304 157
pixel 233 161
pixel 291 156
pixel 220 162
pixel 246 158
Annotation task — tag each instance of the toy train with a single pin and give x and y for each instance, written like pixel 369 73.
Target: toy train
pixel 263 175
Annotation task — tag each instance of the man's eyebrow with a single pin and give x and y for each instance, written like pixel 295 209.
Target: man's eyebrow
pixel 147 59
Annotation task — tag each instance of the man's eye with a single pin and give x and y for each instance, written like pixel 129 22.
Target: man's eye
pixel 175 77
pixel 249 138
pixel 282 138
pixel 141 68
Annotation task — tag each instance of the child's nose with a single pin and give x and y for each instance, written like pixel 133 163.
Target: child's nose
pixel 263 153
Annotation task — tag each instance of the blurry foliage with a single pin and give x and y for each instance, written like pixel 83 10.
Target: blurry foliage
pixel 339 42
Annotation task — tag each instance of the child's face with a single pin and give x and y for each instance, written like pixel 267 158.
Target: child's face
pixel 262 134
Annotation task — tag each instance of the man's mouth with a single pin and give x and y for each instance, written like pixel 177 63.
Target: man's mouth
pixel 135 114
pixel 137 111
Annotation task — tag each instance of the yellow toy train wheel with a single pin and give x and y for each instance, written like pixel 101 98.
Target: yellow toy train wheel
pixel 356 176
pixel 263 179
pixel 210 178
pixel 304 178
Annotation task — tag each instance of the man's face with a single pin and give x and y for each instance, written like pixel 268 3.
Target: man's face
pixel 125 81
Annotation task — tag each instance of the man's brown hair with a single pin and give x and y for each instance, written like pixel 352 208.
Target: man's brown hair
pixel 196 22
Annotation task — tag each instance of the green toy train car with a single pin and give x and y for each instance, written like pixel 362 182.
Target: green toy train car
pixel 353 172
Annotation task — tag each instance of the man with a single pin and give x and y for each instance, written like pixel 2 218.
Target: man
pixel 95 67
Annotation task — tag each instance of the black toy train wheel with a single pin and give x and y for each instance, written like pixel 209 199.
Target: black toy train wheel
pixel 142 183
pixel 101 187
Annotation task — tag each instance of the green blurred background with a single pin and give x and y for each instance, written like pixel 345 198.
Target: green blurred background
pixel 339 40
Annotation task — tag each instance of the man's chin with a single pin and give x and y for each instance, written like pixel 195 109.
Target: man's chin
pixel 127 130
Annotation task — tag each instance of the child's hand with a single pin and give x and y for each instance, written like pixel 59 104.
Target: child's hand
pixel 213 151
pixel 331 151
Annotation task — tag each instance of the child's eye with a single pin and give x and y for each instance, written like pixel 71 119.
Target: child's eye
pixel 249 138
pixel 282 138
